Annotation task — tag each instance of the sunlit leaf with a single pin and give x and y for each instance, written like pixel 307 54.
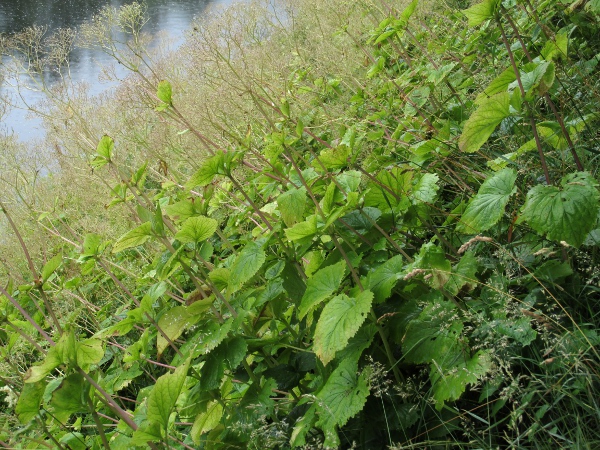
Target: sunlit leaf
pixel 133 238
pixel 483 122
pixel 340 320
pixel 320 286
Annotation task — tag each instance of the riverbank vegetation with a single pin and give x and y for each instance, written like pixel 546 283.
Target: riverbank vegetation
pixel 319 224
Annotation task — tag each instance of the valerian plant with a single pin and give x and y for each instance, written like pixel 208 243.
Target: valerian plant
pixel 415 267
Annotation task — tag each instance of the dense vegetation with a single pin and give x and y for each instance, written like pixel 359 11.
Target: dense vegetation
pixel 329 224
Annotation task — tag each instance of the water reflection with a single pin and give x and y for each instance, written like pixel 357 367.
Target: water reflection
pixel 170 16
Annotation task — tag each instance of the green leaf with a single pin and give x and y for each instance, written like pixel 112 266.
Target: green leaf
pixel 303 231
pixel 147 432
pixel 51 266
pixel 390 193
pixel 320 286
pixel 332 158
pixel 382 280
pixel 206 421
pixel 483 122
pixel 172 323
pixel 434 336
pixel 105 148
pixel 28 405
pixel 183 210
pixel 425 188
pixel 487 207
pixel 208 170
pixel 342 397
pixel 433 260
pixel 499 84
pixel 291 205
pixel 557 47
pixel 229 354
pixel 463 274
pixel 450 384
pixel 418 97
pixel 133 238
pixel 164 395
pixel 89 351
pixel 51 361
pixel 536 78
pixel 479 13
pixel 91 245
pixel 247 263
pixel 567 213
pixel 196 229
pixel 340 320
pixel 68 398
pixel 165 92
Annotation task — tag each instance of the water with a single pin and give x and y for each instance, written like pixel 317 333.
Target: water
pixel 172 17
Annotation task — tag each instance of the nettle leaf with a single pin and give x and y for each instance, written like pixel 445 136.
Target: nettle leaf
pixel 332 158
pixel 418 97
pixel 52 360
pixel 434 335
pixel 51 266
pixel 391 191
pixel 133 238
pixel 483 122
pixel 425 189
pixel 183 210
pixel 567 213
pixel 320 286
pixel 479 13
pixel 303 231
pixel 89 351
pixel 176 320
pixel 206 421
pixel 164 395
pixel 449 385
pixel 229 354
pixel 556 47
pixel 499 84
pixel 433 260
pixel 28 405
pixel 535 77
pixel 247 263
pixel 68 398
pixel 384 278
pixel 196 229
pixel 210 168
pixel 340 320
pixel 463 274
pixel 342 397
pixel 291 205
pixel 487 207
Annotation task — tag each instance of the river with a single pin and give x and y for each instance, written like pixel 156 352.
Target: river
pixel 172 17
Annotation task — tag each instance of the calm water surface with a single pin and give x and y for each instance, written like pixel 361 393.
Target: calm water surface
pixel 170 16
